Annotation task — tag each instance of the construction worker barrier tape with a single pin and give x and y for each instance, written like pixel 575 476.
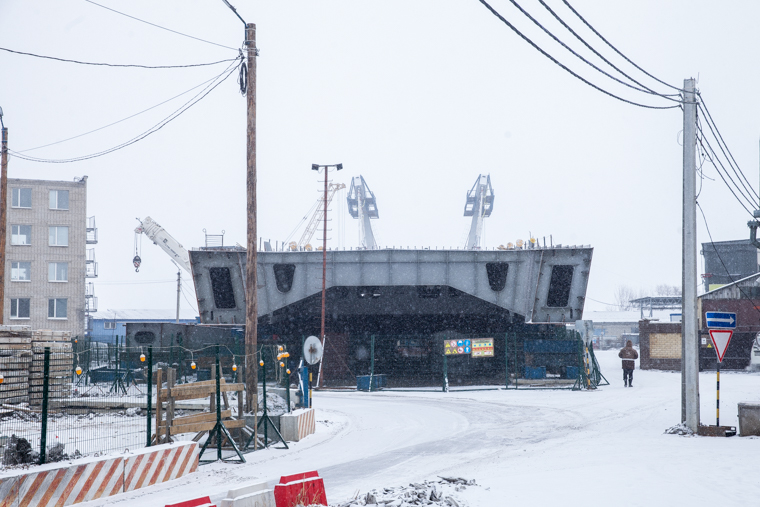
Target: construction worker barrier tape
pixel 297 424
pixel 300 489
pixel 254 495
pixel 61 484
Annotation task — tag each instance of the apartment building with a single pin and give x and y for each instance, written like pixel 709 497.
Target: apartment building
pixel 49 255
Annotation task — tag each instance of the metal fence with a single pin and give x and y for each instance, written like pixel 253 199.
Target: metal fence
pixel 72 399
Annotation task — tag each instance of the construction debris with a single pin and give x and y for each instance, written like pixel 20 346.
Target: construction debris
pixel 441 493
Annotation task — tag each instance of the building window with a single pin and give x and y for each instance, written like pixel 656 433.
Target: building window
pixel 21 198
pixel 59 199
pixel 109 325
pixel 21 271
pixel 58 272
pixel 20 308
pixel 57 308
pixel 21 234
pixel 59 236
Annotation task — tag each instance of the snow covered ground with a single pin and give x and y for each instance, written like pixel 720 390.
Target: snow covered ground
pixel 604 447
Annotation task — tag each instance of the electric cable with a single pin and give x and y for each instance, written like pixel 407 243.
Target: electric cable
pixel 118 65
pixel 119 121
pixel 597 53
pixel 161 27
pixel 616 49
pixel 747 196
pixel 709 158
pixel 564 67
pixel 702 105
pixel 574 53
pixel 197 98
pixel 721 259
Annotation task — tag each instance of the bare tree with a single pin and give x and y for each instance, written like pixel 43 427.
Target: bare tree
pixel 667 290
pixel 623 296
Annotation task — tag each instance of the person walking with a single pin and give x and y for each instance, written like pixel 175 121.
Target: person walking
pixel 628 354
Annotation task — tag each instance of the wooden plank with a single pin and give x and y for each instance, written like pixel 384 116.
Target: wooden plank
pixel 190 392
pixel 5 340
pixel 197 418
pixel 207 426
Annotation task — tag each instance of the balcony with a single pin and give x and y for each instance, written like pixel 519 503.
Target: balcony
pixel 91 305
pixel 92 231
pixel 89 290
pixel 91 267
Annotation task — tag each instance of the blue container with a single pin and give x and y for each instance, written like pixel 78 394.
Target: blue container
pixel 572 372
pixel 378 382
pixel 534 372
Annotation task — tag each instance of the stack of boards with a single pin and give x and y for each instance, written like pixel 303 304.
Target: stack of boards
pixel 22 364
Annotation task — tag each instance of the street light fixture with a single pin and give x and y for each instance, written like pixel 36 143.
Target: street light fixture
pixel 317 167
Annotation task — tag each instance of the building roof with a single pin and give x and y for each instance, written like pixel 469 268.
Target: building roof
pixel 628 316
pixel 731 290
pixel 142 315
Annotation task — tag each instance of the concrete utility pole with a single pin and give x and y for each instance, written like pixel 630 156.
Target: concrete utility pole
pixel 251 307
pixel 3 214
pixel 689 330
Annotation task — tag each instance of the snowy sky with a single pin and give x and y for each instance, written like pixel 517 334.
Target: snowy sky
pixel 418 97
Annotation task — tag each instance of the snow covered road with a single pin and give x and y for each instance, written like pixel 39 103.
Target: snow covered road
pixel 605 447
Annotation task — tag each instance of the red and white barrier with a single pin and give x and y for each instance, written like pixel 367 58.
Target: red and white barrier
pixel 197 502
pixel 298 424
pixel 154 465
pixel 62 484
pixel 300 489
pixel 70 485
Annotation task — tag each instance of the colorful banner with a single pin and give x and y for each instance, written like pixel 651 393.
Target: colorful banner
pixel 482 347
pixel 457 347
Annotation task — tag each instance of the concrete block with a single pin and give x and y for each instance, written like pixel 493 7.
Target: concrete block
pixel 159 463
pixel 9 490
pixel 263 498
pixel 298 424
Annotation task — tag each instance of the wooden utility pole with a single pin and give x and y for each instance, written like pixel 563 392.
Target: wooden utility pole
pixel 251 303
pixel 3 216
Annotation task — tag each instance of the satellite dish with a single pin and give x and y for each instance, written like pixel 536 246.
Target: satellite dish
pixel 312 350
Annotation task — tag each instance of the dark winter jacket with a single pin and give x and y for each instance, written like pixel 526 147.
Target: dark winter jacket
pixel 628 354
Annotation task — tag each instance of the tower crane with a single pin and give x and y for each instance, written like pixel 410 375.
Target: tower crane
pixel 479 205
pixel 363 205
pixel 164 240
pixel 316 218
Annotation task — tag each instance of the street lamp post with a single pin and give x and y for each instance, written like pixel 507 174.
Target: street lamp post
pixel 317 167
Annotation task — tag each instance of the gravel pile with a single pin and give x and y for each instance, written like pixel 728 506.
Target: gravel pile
pixel 435 493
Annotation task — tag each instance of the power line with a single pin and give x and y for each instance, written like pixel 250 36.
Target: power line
pixel 616 49
pixel 161 27
pixel 117 65
pixel 699 140
pixel 197 98
pixel 547 55
pixel 597 53
pixel 122 120
pixel 721 258
pixel 719 138
pixel 748 195
pixel 574 53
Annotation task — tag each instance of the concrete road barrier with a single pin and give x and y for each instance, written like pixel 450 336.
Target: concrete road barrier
pixel 253 495
pixel 297 424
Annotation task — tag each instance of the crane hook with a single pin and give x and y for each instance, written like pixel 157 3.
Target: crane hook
pixel 136 261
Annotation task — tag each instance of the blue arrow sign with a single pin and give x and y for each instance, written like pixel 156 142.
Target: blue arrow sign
pixel 720 319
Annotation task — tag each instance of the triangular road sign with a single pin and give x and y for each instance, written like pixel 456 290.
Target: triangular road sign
pixel 720 339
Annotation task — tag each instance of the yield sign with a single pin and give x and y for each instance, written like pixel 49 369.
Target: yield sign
pixel 720 339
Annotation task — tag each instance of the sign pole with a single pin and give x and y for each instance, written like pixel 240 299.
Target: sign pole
pixel 717 396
